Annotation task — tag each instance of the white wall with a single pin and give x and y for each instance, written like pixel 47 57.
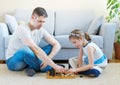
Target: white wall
pixel 8 6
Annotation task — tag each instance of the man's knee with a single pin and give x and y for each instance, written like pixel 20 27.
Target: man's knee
pixel 15 66
pixel 47 49
pixel 26 50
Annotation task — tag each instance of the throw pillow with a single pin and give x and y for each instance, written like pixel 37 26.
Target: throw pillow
pixel 11 23
pixel 21 22
pixel 94 27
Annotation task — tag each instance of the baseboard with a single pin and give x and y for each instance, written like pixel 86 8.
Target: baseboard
pixel 2 61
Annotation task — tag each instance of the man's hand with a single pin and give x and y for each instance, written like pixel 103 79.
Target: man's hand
pixel 60 69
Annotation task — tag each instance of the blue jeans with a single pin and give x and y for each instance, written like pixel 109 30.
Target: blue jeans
pixel 92 72
pixel 25 57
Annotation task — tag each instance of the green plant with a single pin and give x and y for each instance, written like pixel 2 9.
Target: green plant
pixel 113 7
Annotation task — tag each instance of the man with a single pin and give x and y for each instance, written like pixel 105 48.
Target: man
pixel 23 50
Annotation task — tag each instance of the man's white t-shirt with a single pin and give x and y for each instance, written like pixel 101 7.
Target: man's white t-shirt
pixel 24 32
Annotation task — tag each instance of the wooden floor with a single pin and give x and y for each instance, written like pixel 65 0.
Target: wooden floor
pixel 114 60
pixel 2 61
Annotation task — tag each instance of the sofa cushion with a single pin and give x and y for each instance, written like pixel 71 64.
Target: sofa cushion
pixel 94 27
pixel 66 21
pixel 66 54
pixel 3 30
pixel 11 23
pixel 97 40
pixel 65 43
pixel 25 15
pixel 7 38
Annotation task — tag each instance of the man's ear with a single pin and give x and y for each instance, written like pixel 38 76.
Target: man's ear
pixel 32 17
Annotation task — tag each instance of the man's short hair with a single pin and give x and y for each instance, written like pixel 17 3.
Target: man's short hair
pixel 40 12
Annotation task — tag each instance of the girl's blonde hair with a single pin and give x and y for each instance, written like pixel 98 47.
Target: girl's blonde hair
pixel 75 34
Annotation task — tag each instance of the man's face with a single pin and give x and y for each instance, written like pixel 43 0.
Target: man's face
pixel 38 21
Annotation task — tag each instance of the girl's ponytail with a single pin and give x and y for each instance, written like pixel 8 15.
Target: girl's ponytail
pixel 87 37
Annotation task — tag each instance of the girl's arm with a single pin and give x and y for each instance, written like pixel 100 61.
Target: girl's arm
pixel 80 57
pixel 91 51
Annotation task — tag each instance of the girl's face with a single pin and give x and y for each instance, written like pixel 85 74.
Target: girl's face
pixel 77 42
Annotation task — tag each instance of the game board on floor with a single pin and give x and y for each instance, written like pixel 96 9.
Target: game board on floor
pixel 57 75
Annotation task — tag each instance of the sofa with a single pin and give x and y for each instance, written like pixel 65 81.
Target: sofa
pixel 59 24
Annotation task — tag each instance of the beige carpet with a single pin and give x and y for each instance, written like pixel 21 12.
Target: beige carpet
pixel 110 76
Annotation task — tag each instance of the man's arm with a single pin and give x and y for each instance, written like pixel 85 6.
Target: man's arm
pixel 55 44
pixel 40 53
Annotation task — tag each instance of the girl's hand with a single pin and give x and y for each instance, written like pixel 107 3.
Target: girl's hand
pixel 72 70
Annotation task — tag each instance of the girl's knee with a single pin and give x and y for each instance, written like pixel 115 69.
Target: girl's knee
pixel 71 60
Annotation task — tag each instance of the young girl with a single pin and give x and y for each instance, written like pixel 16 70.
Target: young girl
pixel 94 61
